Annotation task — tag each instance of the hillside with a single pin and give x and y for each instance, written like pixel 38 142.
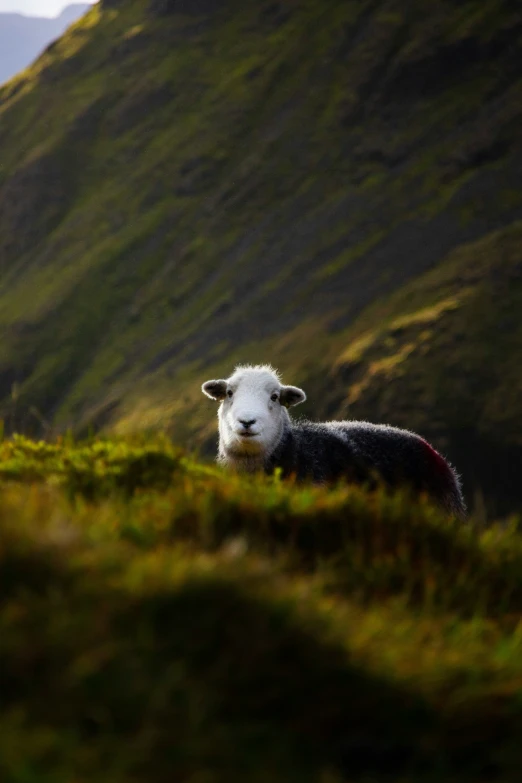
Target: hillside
pixel 22 37
pixel 181 189
pixel 160 621
pixel 440 356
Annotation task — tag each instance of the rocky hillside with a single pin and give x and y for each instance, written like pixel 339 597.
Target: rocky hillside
pixel 334 187
pixel 22 37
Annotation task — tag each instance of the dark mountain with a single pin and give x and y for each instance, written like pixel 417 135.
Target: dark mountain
pixel 333 187
pixel 22 38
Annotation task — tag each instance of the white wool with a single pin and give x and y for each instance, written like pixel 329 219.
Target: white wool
pixel 252 389
pixel 252 418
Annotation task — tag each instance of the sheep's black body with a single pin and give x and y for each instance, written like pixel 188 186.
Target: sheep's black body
pixel 363 452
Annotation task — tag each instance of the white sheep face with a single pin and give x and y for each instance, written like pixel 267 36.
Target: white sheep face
pixel 253 412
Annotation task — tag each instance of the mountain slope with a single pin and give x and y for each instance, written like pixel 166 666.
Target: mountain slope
pixel 184 189
pixel 441 356
pixel 22 37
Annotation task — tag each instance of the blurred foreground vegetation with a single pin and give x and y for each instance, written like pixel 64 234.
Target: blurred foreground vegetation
pixel 163 621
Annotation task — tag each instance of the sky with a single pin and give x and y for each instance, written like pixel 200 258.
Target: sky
pixel 38 7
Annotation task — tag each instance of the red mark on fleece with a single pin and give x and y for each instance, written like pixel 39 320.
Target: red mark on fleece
pixel 439 463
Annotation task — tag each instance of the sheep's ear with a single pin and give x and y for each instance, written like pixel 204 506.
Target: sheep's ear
pixel 291 395
pixel 216 390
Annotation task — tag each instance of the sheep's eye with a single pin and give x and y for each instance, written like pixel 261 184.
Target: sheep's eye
pixel 230 392
pixel 274 397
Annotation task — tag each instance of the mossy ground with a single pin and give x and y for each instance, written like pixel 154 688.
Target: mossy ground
pixel 161 620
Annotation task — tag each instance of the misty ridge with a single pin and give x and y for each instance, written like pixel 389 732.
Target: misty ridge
pixel 23 38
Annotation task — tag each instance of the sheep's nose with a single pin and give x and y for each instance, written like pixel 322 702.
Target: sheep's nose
pixel 247 422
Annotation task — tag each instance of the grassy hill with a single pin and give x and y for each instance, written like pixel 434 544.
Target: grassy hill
pixel 440 356
pixel 160 621
pixel 187 185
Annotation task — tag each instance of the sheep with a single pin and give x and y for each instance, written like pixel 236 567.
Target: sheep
pixel 256 433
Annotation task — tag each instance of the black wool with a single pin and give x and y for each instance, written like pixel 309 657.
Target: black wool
pixel 367 453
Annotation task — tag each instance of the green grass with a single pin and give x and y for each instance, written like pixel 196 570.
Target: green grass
pixel 162 620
